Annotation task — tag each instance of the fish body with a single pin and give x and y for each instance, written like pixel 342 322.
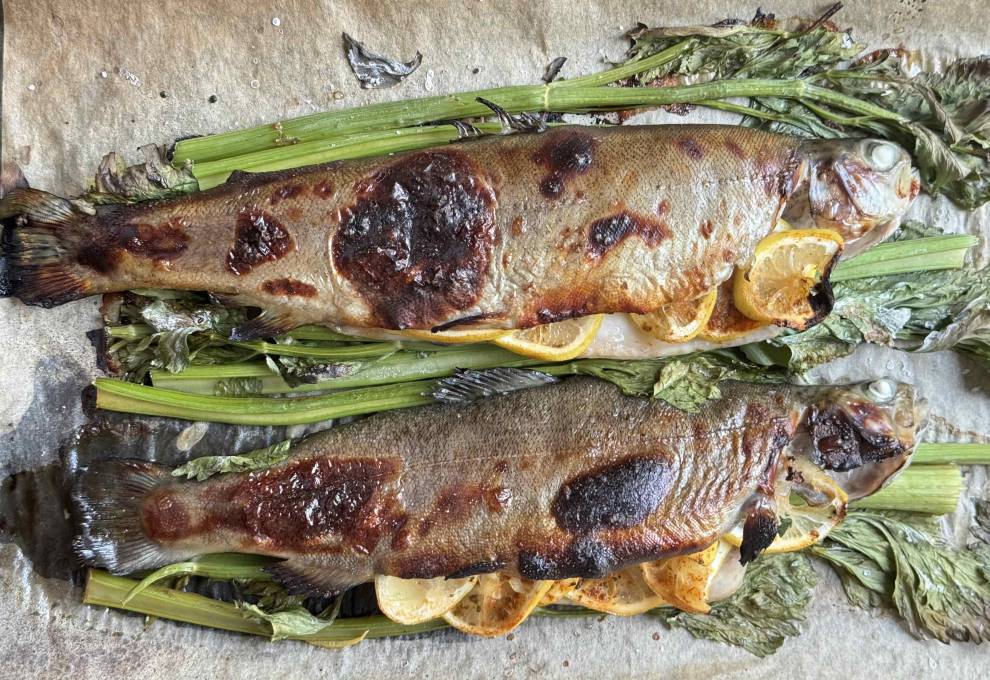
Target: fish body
pixel 572 480
pixel 508 231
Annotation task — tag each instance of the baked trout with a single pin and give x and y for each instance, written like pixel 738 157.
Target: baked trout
pixel 502 232
pixel 547 483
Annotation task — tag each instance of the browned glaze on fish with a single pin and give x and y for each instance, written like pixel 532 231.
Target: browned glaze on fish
pixel 548 483
pixel 506 231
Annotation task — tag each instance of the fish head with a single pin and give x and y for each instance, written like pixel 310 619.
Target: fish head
pixel 861 435
pixel 859 187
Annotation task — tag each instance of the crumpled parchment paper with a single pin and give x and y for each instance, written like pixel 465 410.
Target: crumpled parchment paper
pixel 81 78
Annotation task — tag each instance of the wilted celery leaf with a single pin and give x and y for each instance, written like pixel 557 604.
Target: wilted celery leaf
pixel 687 382
pixel 183 326
pixel 901 560
pixel 155 179
pixel 764 612
pixel 734 49
pixel 207 466
pixel 949 130
pixel 293 621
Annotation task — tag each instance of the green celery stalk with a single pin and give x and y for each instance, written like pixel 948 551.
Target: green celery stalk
pixel 400 367
pixel 554 97
pixel 931 489
pixel 365 350
pixel 226 566
pixel 117 395
pixel 397 114
pixel 903 257
pixel 948 452
pixel 212 173
pixel 103 589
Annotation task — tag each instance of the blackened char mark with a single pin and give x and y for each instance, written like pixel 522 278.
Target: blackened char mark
pixel 417 241
pixel 288 507
pixel 258 238
pixel 844 441
pixel 565 155
pixel 486 567
pixel 288 287
pixel 159 243
pixel 585 557
pixel 464 321
pixel 617 495
pixel 606 233
pixel 759 531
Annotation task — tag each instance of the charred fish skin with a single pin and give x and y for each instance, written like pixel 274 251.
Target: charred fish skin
pixel 547 483
pixel 505 231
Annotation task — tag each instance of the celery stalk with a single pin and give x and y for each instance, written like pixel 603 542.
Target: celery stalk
pixel 398 114
pixel 949 452
pixel 931 489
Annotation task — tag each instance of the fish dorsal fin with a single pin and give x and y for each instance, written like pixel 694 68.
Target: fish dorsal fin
pixel 301 578
pixel 265 325
pixel 469 385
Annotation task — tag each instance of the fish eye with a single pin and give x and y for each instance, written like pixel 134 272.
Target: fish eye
pixel 882 155
pixel 881 390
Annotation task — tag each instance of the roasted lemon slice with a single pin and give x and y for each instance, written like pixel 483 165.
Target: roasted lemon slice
pixel 780 284
pixel 456 336
pixel 808 517
pixel 624 593
pixel 726 323
pixel 559 590
pixel 686 581
pixel 414 600
pixel 496 604
pixel 559 341
pixel 680 321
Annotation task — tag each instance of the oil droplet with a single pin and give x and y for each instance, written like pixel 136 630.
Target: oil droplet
pixel 255 84
pixel 32 87
pixel 276 22
pixel 104 74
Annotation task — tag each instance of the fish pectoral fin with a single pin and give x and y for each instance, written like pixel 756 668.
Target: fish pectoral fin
pixel 302 578
pixel 265 325
pixel 760 529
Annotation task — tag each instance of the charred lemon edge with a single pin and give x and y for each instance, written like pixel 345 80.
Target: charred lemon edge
pixel 749 303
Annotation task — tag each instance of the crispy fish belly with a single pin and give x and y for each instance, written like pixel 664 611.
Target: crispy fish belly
pixel 547 483
pixel 505 232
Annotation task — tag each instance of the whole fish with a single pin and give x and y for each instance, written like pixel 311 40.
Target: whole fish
pixel 508 231
pixel 546 483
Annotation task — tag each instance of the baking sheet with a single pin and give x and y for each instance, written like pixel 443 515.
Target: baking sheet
pixel 80 79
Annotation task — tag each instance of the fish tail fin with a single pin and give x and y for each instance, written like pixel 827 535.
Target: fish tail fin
pixel 42 234
pixel 108 497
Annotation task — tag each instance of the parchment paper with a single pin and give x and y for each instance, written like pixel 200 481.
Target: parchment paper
pixel 81 78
